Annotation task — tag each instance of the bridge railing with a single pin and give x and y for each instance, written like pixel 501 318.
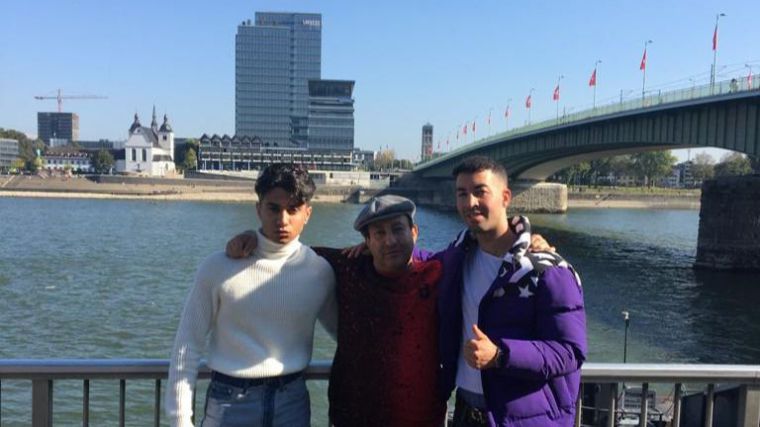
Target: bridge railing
pixel 43 373
pixel 652 99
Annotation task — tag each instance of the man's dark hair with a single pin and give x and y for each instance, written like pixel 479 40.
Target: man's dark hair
pixel 476 164
pixel 294 179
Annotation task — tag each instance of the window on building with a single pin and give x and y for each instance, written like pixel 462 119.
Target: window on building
pixel 144 155
pixel 134 154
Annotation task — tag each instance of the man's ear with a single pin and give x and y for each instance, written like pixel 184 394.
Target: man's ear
pixel 415 232
pixel 308 211
pixel 507 195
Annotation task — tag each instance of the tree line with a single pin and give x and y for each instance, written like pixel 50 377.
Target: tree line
pixel 650 167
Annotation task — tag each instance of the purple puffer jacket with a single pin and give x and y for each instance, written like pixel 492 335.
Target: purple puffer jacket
pixel 534 312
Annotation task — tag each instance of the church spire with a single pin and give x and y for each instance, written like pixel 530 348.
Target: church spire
pixel 135 124
pixel 154 123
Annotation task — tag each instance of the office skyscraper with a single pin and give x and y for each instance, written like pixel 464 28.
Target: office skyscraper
pixel 60 126
pixel 331 115
pixel 274 60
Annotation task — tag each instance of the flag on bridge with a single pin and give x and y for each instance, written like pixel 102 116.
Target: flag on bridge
pixel 473 126
pixel 715 37
pixel 464 129
pixel 507 112
pixel 528 101
pixel 555 95
pixel 592 80
pixel 749 79
pixel 643 65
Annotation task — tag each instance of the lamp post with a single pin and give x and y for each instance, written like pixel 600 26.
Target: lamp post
pixel 715 52
pixel 644 69
pixel 627 320
pixel 596 67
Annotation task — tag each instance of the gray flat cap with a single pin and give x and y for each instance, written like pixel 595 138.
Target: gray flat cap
pixel 384 207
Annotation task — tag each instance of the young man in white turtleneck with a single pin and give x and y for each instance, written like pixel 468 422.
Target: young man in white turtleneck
pixel 253 318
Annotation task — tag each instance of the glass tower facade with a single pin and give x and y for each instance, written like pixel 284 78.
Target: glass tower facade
pixel 331 115
pixel 274 60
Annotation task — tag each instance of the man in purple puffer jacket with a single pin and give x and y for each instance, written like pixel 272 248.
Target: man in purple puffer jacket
pixel 512 323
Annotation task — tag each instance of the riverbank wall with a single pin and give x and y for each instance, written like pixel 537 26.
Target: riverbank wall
pixel 729 224
pixel 143 188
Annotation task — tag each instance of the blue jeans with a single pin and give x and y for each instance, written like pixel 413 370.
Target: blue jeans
pixel 266 405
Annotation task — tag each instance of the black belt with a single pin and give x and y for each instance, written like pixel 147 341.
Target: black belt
pixel 468 415
pixel 254 382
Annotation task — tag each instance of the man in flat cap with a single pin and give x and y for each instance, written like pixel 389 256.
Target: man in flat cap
pixel 385 370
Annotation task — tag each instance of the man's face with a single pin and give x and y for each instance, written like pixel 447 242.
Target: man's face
pixel 391 242
pixel 482 200
pixel 282 218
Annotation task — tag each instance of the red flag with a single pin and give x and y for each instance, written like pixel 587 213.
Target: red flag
pixel 592 80
pixel 528 101
pixel 473 126
pixel 715 38
pixel 643 65
pixel 555 95
pixel 507 112
pixel 749 80
pixel 464 129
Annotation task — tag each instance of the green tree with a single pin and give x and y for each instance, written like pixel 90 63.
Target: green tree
pixel 102 162
pixel 703 167
pixel 754 162
pixel 652 165
pixel 733 164
pixel 190 161
pixel 13 134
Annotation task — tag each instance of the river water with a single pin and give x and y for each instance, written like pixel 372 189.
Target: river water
pixel 107 279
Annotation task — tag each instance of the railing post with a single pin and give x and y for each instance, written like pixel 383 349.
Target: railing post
pixel 709 405
pixel 644 405
pixel 676 421
pixel 611 408
pixel 42 403
pixel 749 406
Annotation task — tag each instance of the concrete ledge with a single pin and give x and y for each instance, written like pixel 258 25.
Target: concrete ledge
pixel 527 197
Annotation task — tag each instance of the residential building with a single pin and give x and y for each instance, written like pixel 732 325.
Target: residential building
pixel 9 151
pixel 427 143
pixel 58 126
pixel 67 159
pixel 148 150
pixel 331 115
pixel 274 60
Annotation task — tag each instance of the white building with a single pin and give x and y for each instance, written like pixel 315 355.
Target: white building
pixel 149 151
pixel 66 159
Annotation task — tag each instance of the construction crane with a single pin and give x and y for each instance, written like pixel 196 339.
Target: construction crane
pixel 60 98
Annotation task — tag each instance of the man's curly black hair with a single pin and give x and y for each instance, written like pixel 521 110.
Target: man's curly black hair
pixel 294 179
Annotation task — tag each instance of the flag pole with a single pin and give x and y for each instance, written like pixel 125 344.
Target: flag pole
pixel 530 106
pixel 506 114
pixel 715 52
pixel 558 80
pixel 644 69
pixel 596 77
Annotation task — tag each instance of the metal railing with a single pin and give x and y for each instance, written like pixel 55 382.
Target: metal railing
pixel 653 100
pixel 44 372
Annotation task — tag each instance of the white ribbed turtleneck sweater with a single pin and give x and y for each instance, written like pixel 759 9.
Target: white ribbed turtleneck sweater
pixel 251 317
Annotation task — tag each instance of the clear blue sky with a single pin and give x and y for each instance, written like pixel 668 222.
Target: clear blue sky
pixel 442 62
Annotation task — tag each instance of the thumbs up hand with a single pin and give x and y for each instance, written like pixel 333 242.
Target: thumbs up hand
pixel 480 352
